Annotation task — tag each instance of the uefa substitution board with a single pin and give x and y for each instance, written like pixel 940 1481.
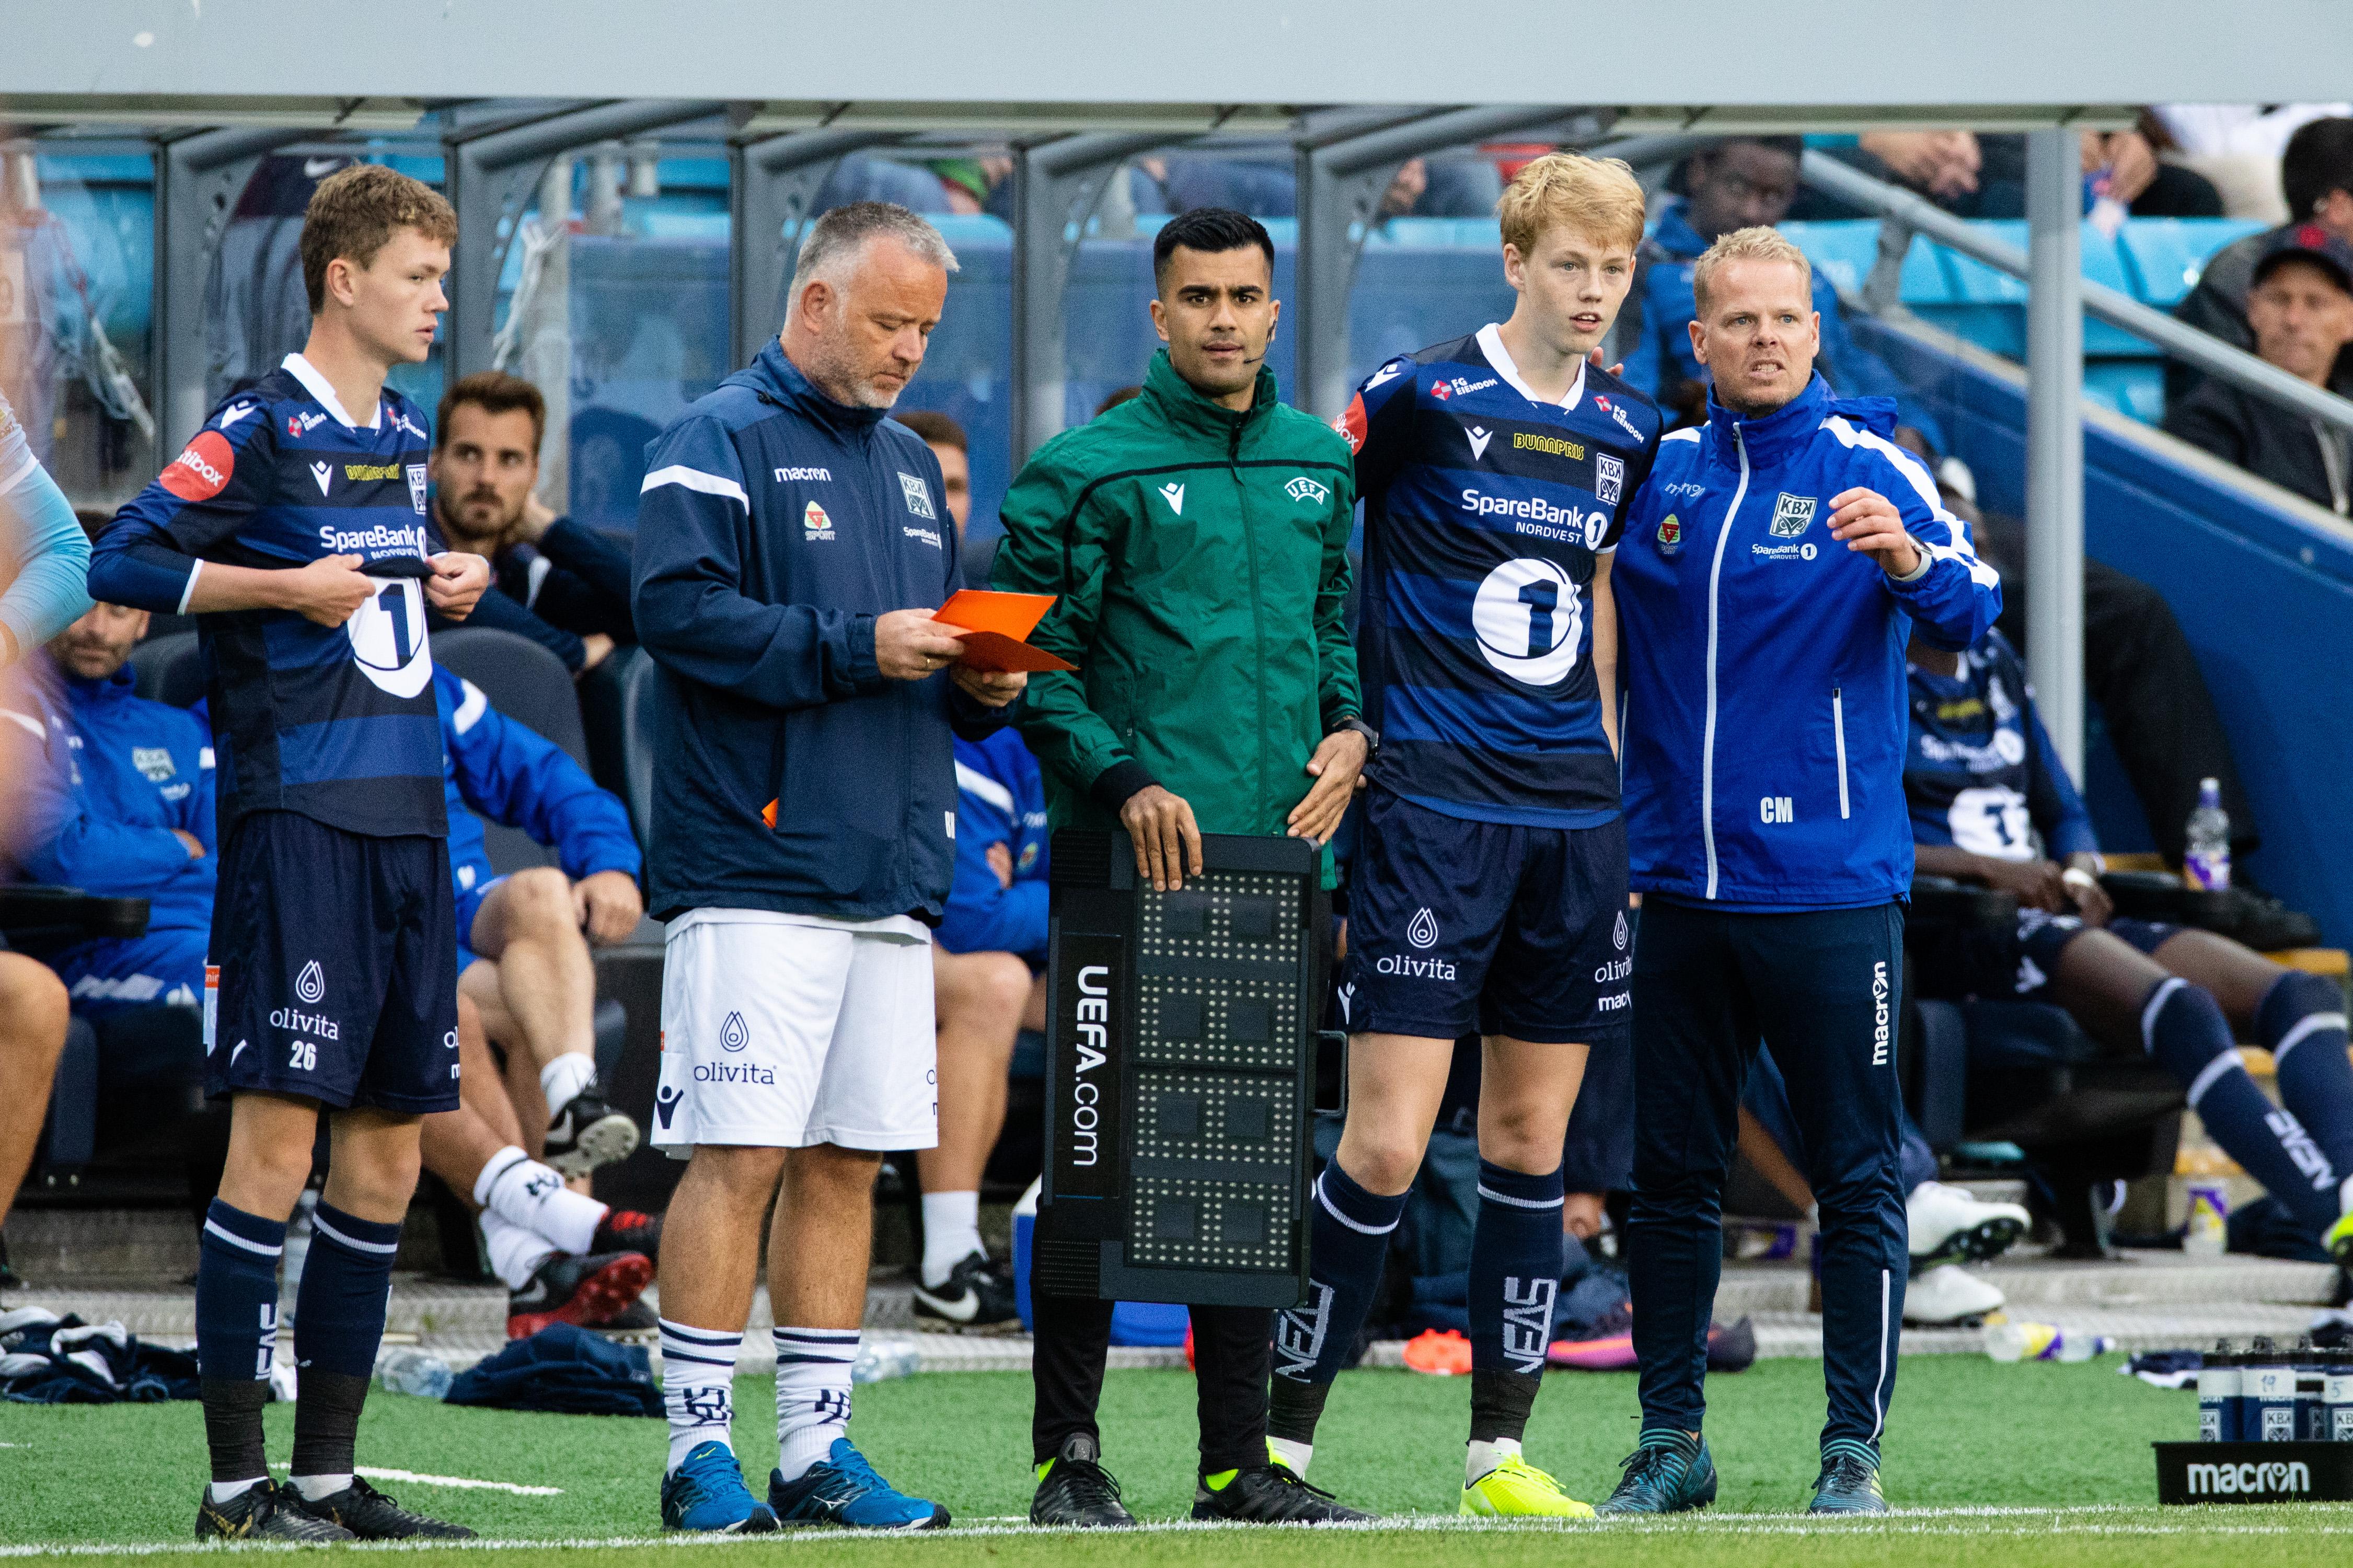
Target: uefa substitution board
pixel 1180 1062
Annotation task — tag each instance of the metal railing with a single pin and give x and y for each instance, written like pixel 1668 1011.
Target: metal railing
pixel 1905 214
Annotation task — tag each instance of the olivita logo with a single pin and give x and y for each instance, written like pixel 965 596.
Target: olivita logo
pixel 1423 931
pixel 311 985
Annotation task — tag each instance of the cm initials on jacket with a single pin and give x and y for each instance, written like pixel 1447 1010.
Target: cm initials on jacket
pixel 1763 660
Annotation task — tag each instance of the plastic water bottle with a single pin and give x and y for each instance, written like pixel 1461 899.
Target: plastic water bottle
pixel 879 1361
pixel 2337 1395
pixel 2016 1340
pixel 2267 1395
pixel 2206 860
pixel 2218 1395
pixel 405 1369
pixel 2209 1231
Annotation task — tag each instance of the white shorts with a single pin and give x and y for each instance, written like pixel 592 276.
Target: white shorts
pixel 785 1031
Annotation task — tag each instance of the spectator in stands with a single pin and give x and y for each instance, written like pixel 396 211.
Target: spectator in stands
pixel 1741 183
pixel 2316 177
pixel 968 183
pixel 562 1256
pixel 567 584
pixel 1990 803
pixel 2237 146
pixel 132 817
pixel 1945 1226
pixel 2300 308
pixel 1976 176
pixel 524 939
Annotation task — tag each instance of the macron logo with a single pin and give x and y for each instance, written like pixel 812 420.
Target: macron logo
pixel 1175 496
pixel 1479 439
pixel 322 472
pixel 236 414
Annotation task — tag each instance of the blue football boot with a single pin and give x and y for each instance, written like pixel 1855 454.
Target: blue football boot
pixel 845 1491
pixel 707 1492
pixel 1850 1481
pixel 1670 1473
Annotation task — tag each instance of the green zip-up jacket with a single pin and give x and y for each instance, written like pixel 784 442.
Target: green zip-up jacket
pixel 1200 560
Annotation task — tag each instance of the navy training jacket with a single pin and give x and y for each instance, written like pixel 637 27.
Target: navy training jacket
pixel 789 774
pixel 1766 707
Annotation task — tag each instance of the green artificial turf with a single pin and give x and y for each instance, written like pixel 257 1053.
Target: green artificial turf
pixel 1965 1434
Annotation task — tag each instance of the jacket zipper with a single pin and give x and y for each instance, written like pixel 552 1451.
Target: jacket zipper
pixel 1707 746
pixel 1838 736
pixel 1258 608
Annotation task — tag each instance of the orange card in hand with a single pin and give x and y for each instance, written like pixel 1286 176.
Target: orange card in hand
pixel 994 627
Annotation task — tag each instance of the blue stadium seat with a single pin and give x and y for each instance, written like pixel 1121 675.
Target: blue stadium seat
pixel 1843 252
pixel 2133 387
pixel 169 669
pixel 2165 255
pixel 2103 264
pixel 530 686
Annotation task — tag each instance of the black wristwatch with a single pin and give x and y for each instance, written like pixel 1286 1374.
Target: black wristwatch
pixel 1372 736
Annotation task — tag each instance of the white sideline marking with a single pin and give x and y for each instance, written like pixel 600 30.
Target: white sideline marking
pixel 1940 1521
pixel 376 1473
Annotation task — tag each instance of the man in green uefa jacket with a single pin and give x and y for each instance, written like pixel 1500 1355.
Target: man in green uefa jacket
pixel 1196 537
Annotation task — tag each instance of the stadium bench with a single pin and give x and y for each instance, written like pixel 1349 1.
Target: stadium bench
pixel 529 685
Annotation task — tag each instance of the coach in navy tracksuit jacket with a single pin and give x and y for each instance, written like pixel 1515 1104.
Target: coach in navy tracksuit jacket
pixel 1766 712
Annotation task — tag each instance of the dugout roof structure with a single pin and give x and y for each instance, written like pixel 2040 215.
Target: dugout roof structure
pixel 1076 86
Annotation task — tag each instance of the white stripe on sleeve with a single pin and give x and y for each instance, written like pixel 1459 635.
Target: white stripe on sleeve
pixel 696 480
pixel 972 781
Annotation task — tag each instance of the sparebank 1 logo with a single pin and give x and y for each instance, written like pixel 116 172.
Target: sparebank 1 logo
pixel 387 634
pixel 1529 621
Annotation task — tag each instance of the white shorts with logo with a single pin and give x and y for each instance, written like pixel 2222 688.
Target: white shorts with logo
pixel 785 1031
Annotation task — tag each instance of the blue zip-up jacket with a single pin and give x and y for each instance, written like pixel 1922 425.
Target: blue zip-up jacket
pixel 511 773
pixel 117 774
pixel 1000 799
pixel 775 525
pixel 1664 307
pixel 1763 660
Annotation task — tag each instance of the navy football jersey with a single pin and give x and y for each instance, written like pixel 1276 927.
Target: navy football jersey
pixel 1979 770
pixel 336 722
pixel 1486 512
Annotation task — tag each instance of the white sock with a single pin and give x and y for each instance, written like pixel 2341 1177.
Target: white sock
pixel 1294 1456
pixel 525 1192
pixel 313 1487
pixel 223 1490
pixel 812 1396
pixel 565 1077
pixel 698 1387
pixel 516 1252
pixel 1484 1458
pixel 950 1234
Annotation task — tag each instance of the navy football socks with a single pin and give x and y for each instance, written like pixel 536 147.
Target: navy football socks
pixel 338 1324
pixel 2302 1023
pixel 1349 1230
pixel 237 1334
pixel 2182 1027
pixel 1515 1254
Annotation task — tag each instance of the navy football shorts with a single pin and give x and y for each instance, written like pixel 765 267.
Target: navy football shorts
pixel 2033 956
pixel 338 966
pixel 1457 926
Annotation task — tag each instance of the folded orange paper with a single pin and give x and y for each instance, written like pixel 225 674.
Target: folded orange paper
pixel 995 628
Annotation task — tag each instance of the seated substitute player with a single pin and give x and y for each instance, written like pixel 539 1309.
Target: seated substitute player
pixel 1992 803
pixel 1489 890
pixel 988 984
pixel 1764 738
pixel 524 939
pixel 542 989
pixel 292 526
pixel 564 1257
pixel 1208 698
pixel 130 815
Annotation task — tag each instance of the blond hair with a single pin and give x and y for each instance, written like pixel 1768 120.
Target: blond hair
pixel 1598 196
pixel 355 210
pixel 1759 244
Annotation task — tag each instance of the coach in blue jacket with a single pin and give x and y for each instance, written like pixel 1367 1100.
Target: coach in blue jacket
pixel 792 546
pixel 1773 569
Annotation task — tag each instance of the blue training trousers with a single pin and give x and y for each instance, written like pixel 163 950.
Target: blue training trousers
pixel 1822 989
